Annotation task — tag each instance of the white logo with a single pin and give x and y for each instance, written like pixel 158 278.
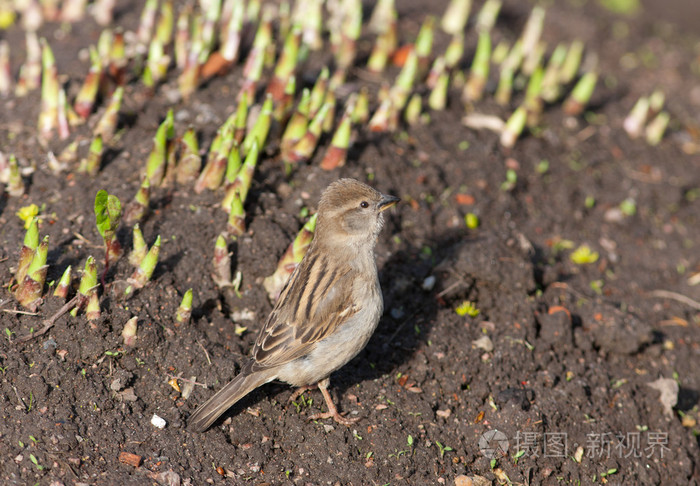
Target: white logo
pixel 493 444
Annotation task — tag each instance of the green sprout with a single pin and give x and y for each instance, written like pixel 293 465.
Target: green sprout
pixel 91 163
pixel 143 273
pixel 139 248
pixel 236 219
pixel 583 255
pixel 26 255
pixel 514 127
pixel 561 244
pixel 657 127
pixel 48 116
pixel 88 285
pixel 92 310
pixel 107 125
pixel 597 286
pixel 488 15
pixel 108 214
pixel 414 109
pixel 456 15
pixel 190 160
pixel 156 163
pixel 233 168
pixel 518 455
pixel 241 184
pixel 628 207
pixel 261 128
pixel 303 402
pixel 635 120
pixel 137 209
pixel 570 66
pixel 440 78
pixel 338 150
pixel 472 220
pixel 36 462
pixel 409 441
pixel 626 7
pixel 443 449
pixel 85 99
pixel 184 311
pixel 305 147
pixel 467 308
pixel 511 180
pixel 129 331
pixel 478 76
pixel 15 183
pixel 581 94
pixel 30 288
pixel 221 263
pixel 292 257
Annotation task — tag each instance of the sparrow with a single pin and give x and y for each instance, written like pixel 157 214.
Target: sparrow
pixel 327 310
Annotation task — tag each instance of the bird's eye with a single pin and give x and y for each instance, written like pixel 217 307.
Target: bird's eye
pixel 364 204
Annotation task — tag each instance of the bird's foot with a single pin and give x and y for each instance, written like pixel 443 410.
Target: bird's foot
pixel 300 391
pixel 335 416
pixel 332 410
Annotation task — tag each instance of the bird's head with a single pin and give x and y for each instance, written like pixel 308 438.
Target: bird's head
pixel 351 212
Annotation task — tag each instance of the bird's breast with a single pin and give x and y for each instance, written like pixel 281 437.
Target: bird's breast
pixel 345 343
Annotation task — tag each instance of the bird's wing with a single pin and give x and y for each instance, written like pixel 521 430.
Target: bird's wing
pixel 305 312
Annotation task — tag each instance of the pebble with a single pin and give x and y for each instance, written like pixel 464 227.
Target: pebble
pixel 614 215
pixel 242 315
pixel 50 343
pixel 484 342
pixel 158 422
pixel 428 283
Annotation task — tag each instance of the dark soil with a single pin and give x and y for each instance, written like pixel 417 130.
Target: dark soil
pixel 559 358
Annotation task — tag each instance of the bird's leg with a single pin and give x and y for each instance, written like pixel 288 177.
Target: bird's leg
pixel 300 391
pixel 332 411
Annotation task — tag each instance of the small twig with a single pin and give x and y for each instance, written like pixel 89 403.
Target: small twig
pixel 448 289
pixel 87 242
pixel 205 352
pixel 667 294
pixel 19 399
pixel 26 313
pixel 586 133
pixel 49 323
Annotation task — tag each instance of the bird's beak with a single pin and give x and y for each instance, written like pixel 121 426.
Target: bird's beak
pixel 387 201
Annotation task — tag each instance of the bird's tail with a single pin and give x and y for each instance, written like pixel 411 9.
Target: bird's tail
pixel 240 386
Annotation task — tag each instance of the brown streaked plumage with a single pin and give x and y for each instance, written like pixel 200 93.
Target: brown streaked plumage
pixel 326 312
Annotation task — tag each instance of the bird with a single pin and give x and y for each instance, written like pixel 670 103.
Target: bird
pixel 326 312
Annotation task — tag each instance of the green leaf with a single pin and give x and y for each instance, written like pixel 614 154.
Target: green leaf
pixel 108 213
pixel 625 7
